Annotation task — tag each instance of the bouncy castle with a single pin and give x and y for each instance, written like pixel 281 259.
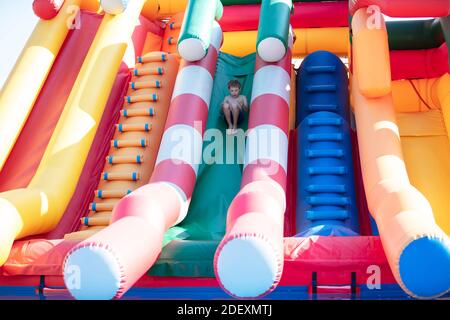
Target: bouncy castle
pixel 118 179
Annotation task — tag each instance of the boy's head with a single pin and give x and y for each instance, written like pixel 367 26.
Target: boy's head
pixel 234 87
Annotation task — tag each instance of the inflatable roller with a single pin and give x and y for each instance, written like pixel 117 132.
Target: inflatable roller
pixel 122 252
pixel 249 260
pixel 326 201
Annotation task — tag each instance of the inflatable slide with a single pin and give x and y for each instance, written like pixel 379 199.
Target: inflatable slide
pixel 120 177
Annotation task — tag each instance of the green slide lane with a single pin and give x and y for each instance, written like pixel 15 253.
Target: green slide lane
pixel 191 252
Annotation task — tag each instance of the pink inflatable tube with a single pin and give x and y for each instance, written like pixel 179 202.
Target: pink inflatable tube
pixel 106 265
pixel 419 64
pixel 405 8
pixel 249 260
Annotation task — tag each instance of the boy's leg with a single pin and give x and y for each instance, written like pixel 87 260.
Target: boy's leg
pixel 235 117
pixel 227 113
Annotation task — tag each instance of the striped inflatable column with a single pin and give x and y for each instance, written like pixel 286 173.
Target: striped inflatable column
pixel 273 29
pixel 106 265
pixel 195 35
pixel 249 260
pixel 181 147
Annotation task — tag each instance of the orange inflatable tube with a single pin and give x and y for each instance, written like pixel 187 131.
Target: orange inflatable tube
pixel 417 249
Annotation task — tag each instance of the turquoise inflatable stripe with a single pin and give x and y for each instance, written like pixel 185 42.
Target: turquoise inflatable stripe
pixel 198 20
pixel 274 20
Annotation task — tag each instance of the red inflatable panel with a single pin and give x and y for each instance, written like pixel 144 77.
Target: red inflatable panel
pixel 19 281
pixel 419 64
pixel 332 258
pixel 406 8
pixel 161 282
pixel 291 192
pixel 306 15
pixel 365 228
pixel 37 257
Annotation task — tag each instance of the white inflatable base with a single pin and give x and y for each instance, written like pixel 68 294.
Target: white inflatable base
pixel 247 267
pixel 191 49
pixel 92 273
pixel 271 49
pixel 114 7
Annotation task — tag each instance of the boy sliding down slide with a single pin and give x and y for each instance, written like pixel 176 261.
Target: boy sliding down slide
pixel 232 105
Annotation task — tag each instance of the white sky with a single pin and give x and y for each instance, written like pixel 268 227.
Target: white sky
pixel 17 22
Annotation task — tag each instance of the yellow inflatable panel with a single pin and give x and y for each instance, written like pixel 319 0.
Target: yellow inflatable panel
pixel 335 40
pixel 426 150
pixel 22 88
pixel 415 95
pixel 39 207
pixel 169 7
pixel 426 146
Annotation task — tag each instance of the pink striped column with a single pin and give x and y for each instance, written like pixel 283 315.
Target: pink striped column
pixel 112 260
pixel 249 260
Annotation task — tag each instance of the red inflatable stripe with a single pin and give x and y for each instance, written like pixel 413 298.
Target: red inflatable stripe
pixel 284 63
pixel 180 174
pixel 269 109
pixel 269 171
pixel 419 64
pixel 209 62
pixel 198 112
pixel 405 8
